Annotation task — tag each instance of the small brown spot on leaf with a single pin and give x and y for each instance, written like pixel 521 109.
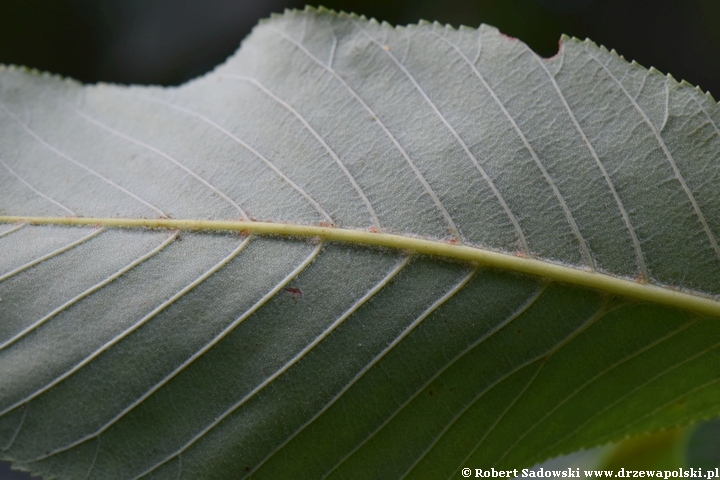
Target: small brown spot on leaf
pixel 293 292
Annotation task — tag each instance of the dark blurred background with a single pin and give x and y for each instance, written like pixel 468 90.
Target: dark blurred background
pixel 168 42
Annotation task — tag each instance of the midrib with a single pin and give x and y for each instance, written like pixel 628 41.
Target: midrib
pixel 560 273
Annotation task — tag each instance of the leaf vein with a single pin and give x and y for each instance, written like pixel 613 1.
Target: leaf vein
pixel 592 380
pixel 57 152
pixel 503 203
pixel 447 296
pixel 159 152
pixel 525 307
pixel 521 135
pixel 668 155
pixel 13 229
pixel 541 357
pixel 52 254
pixel 247 147
pixel 321 141
pixel 127 332
pixel 621 207
pixel 92 464
pixel 380 285
pixel 36 190
pixel 712 122
pixel 207 347
pixel 11 441
pixel 86 293
pixel 426 186
pixel 627 394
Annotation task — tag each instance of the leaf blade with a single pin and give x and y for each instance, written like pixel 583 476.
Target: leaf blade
pixel 358 145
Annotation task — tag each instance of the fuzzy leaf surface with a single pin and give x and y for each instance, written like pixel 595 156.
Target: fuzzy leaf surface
pixel 202 353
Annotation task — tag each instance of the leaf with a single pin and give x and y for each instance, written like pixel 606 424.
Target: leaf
pixel 662 450
pixel 355 250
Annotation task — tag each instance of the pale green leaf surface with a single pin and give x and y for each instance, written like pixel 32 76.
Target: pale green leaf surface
pixel 128 352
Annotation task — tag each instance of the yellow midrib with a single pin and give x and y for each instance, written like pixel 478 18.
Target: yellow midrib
pixel 560 273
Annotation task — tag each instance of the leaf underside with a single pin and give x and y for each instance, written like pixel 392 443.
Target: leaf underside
pixel 197 354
